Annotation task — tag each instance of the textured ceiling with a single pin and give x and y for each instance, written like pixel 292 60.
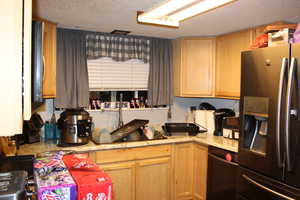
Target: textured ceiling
pixel 107 15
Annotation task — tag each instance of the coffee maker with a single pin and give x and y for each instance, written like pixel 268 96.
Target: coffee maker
pixel 220 114
pixel 75 126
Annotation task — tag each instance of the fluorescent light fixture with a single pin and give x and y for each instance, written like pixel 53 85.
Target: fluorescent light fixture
pixel 199 8
pixel 167 7
pixel 163 22
pixel 171 12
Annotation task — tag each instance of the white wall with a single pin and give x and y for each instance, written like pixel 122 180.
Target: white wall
pixel 109 119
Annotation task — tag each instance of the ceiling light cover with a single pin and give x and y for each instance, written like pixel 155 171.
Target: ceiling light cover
pixel 164 22
pixel 167 7
pixel 171 12
pixel 199 8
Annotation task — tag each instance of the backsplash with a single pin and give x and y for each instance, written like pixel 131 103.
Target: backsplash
pixel 109 119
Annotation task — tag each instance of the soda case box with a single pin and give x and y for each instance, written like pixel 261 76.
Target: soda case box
pixel 92 182
pixel 53 180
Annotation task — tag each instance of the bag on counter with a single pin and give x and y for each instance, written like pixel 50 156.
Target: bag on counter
pixel 92 182
pixel 52 177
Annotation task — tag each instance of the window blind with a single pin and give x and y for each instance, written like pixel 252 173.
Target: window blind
pixel 106 74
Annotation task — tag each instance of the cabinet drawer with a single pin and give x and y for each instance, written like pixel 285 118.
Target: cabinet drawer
pixel 116 155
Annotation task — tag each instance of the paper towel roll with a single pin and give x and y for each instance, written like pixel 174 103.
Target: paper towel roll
pixel 200 118
pixel 210 119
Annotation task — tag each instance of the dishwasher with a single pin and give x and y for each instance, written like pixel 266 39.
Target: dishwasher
pixel 221 174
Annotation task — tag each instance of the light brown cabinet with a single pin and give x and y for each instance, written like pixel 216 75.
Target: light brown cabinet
pixel 153 179
pixel 200 171
pixel 123 176
pixel 190 168
pixel 183 171
pixel 193 67
pixel 138 173
pixel 228 62
pixel 161 172
pixel 49 59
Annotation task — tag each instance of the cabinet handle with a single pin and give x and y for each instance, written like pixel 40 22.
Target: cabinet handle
pixel 44 67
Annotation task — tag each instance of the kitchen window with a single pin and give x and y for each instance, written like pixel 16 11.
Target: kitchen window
pixel 109 80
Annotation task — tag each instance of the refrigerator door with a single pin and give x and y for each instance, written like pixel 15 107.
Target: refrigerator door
pixel 293 132
pixel 262 107
pixel 253 186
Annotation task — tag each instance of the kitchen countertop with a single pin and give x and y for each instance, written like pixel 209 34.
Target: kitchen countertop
pixel 206 139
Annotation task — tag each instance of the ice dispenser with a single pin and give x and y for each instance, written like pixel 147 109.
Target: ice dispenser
pixel 255 124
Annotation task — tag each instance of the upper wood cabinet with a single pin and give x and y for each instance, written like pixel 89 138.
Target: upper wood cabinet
pixel 49 59
pixel 228 62
pixel 193 61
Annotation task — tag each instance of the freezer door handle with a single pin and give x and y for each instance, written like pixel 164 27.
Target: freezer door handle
pixel 288 113
pixel 283 71
pixel 250 180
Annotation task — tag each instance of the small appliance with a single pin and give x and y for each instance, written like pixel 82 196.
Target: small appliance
pixel 231 127
pixel 75 126
pixel 219 116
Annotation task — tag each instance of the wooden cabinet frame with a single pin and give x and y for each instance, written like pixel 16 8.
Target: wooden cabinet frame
pixel 180 169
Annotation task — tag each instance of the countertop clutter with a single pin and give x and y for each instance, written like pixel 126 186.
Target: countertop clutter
pixel 206 139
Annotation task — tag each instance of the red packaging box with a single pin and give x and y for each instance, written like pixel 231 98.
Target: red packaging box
pixel 92 182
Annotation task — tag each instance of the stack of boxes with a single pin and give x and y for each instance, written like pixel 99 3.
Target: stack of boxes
pixel 70 177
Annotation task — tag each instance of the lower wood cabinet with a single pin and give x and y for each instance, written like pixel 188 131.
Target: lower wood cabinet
pixel 153 179
pixel 163 172
pixel 200 171
pixel 190 169
pixel 123 176
pixel 183 171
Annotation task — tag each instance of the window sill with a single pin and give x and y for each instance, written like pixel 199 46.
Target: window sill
pixel 127 109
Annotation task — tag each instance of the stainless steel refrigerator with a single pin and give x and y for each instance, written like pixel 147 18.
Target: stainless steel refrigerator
pixel 269 146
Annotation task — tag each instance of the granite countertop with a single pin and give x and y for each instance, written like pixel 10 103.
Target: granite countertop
pixel 206 139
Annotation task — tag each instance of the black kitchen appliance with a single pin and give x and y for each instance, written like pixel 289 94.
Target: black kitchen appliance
pixel 75 126
pixel 231 127
pixel 269 146
pixel 221 175
pixel 174 128
pixel 31 130
pixel 219 116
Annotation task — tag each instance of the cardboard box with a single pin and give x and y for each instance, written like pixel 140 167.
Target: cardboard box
pixel 52 178
pixel 280 37
pixel 92 182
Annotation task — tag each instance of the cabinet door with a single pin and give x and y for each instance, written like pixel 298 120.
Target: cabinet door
pixel 153 179
pixel 228 64
pixel 123 178
pixel 183 171
pixel 49 51
pixel 200 172
pixel 197 67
